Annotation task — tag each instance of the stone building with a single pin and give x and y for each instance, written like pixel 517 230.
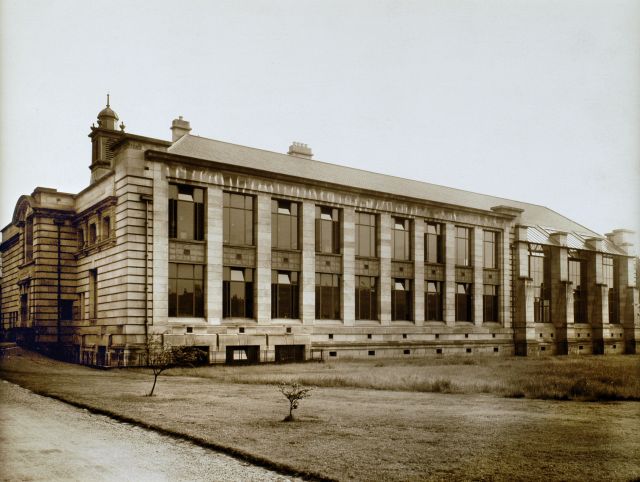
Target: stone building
pixel 261 256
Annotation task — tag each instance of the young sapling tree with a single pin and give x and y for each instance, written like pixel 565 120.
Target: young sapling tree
pixel 293 392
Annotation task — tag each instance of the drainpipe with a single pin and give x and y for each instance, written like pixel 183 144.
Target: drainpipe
pixel 59 223
pixel 147 200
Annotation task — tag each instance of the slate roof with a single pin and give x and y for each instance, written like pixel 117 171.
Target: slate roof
pixel 249 157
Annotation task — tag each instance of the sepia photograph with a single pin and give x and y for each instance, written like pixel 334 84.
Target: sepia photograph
pixel 357 240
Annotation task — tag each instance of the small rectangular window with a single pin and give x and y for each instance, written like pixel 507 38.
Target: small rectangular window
pixel 93 234
pixel 106 227
pixel 66 310
pixel 93 294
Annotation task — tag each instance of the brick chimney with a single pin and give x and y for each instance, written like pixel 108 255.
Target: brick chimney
pixel 179 127
pixel 299 149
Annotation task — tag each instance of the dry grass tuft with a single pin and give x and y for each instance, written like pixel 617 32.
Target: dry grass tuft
pixel 587 378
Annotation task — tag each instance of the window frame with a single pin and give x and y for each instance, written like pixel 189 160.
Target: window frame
pixel 539 274
pixel 328 228
pixel 245 224
pixel 248 288
pixel 397 313
pixel 363 227
pixel 328 295
pixel 463 259
pixel 490 307
pixel 437 296
pixel 362 308
pixel 465 298
pixel 610 278
pixel 177 277
pixel 576 278
pixel 176 205
pixel 292 220
pixel 439 242
pixel 276 294
pixel 490 246
pixel 405 234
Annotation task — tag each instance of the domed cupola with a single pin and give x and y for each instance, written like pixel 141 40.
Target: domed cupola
pixel 107 118
pixel 103 137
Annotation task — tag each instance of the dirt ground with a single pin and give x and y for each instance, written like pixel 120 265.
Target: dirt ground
pixel 45 439
pixel 362 434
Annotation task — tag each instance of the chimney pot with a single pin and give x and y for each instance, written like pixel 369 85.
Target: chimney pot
pixel 299 149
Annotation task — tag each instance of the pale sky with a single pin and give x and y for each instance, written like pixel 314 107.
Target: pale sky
pixel 537 101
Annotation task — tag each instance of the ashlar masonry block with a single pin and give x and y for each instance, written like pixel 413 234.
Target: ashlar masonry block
pixel 384 235
pixel 263 258
pixel 213 271
pixel 348 266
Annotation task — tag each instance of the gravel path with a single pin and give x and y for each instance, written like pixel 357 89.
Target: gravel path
pixel 44 439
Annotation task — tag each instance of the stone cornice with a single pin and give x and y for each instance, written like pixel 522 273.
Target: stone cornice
pixel 271 176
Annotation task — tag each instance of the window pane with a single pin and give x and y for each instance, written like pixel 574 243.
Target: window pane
pixel 236 293
pixel 237 275
pixel 185 220
pixel 294 232
pixel 326 236
pixel 284 231
pixel 173 297
pixel 185 297
pixel 185 271
pixel 237 201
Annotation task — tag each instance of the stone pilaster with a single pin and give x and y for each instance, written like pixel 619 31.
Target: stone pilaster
pixel 213 271
pixel 504 263
pixel 160 255
pixel 629 304
pixel 348 307
pixel 418 271
pixel 477 261
pixel 263 258
pixel 523 323
pixel 384 235
pixel 449 305
pixel 597 303
pixel 561 299
pixel 308 293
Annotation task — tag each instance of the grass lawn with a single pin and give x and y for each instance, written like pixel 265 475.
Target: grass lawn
pixel 379 420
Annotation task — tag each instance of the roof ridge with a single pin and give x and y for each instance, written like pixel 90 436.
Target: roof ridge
pixel 203 147
pixel 342 166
